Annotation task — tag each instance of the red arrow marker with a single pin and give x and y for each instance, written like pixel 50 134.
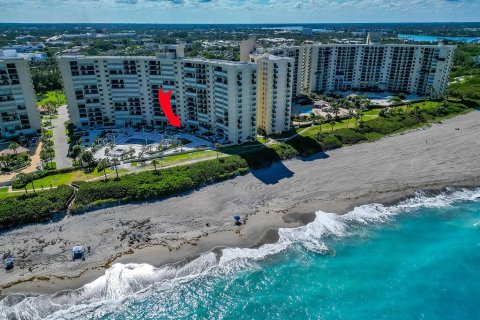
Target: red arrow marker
pixel 164 99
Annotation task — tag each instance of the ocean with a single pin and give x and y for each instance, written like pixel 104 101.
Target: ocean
pixel 418 259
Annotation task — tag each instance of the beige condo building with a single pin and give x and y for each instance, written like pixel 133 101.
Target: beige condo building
pixel 208 95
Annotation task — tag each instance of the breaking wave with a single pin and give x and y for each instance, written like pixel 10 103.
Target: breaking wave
pixel 123 282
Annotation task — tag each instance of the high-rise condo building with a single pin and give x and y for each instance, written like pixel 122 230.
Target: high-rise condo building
pixel 274 99
pixel 408 68
pixel 231 99
pixel 208 95
pixel 18 103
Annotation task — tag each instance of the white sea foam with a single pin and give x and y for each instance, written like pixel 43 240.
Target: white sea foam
pixel 124 281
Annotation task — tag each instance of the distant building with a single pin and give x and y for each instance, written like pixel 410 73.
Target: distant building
pixel 24 48
pixel 18 103
pixel 408 68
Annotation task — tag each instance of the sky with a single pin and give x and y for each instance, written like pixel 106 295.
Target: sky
pixel 239 11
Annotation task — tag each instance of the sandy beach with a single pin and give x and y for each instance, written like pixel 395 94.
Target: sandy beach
pixel 284 195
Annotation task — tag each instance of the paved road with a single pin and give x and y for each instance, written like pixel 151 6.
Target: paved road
pixel 60 139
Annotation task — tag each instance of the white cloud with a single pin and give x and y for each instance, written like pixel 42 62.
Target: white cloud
pixel 238 11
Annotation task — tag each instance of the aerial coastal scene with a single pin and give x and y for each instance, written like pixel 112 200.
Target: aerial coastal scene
pixel 239 159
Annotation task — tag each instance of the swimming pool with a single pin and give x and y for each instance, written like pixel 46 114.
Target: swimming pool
pixel 139 141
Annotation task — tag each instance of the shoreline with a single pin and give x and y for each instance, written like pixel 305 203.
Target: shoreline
pixel 152 255
pixel 286 195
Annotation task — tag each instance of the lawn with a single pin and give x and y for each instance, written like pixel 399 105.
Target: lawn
pixel 367 115
pixel 5 194
pixel 65 178
pixel 56 97
pixel 345 123
pixel 179 158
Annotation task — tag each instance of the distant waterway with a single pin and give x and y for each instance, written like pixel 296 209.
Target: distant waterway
pixel 428 38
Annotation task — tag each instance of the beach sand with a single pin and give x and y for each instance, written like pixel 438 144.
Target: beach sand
pixel 285 195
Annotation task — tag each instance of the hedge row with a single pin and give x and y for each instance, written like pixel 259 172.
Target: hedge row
pixel 151 184
pixel 33 207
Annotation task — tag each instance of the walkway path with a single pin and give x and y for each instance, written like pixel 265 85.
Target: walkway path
pixel 60 139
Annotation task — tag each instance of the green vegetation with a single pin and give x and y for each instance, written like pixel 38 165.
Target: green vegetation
pixel 5 194
pixel 465 75
pixel 464 63
pixel 46 75
pixel 339 124
pixel 179 158
pixel 33 207
pixel 54 178
pixel 154 184
pixel 392 121
pixel 12 162
pixel 56 97
pixel 47 154
pixel 466 87
pixel 265 156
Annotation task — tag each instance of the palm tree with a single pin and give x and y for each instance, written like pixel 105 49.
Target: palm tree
pixel 217 147
pixel 357 116
pixel 330 118
pixel 102 166
pixel 14 146
pixel 321 119
pixel 115 163
pixel 50 109
pixel 407 106
pixel 336 111
pixel 349 116
pixel 76 151
pixel 155 162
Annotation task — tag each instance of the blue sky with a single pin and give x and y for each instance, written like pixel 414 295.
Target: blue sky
pixel 238 11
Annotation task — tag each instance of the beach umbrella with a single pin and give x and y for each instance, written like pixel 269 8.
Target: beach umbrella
pixel 237 218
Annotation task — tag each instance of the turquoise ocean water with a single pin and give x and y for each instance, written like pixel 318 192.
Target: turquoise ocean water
pixel 427 38
pixel 419 259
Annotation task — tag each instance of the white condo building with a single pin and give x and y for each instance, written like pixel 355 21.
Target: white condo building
pixel 208 95
pixel 408 68
pixel 231 99
pixel 18 103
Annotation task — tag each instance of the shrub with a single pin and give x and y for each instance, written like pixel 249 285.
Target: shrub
pixel 329 142
pixel 305 146
pixel 51 166
pixel 349 136
pixel 33 207
pixel 150 184
pixel 264 157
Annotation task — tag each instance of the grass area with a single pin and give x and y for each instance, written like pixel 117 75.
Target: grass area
pixel 5 194
pixel 341 124
pixel 262 139
pixel 64 178
pixel 176 159
pixel 180 158
pixel 56 97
